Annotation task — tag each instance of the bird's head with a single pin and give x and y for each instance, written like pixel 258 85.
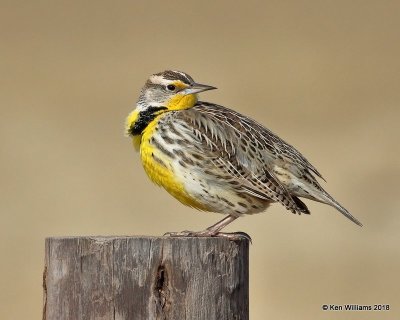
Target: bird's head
pixel 174 90
pixel 165 91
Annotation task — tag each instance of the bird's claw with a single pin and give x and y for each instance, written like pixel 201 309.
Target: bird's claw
pixel 233 236
pixel 186 233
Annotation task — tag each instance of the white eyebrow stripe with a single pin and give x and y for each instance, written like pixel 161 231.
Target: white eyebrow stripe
pixel 159 80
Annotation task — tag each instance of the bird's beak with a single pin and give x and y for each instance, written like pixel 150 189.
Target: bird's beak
pixel 196 88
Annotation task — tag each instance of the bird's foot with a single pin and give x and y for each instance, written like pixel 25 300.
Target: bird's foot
pixel 234 236
pixel 186 233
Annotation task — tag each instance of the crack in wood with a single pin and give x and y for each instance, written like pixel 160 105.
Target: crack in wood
pixel 162 292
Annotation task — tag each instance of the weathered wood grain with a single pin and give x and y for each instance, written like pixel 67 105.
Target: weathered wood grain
pixel 126 278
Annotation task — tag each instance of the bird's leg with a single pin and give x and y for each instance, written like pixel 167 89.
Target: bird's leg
pixel 216 228
pixel 213 231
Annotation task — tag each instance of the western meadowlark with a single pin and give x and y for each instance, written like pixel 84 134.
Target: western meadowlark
pixel 215 159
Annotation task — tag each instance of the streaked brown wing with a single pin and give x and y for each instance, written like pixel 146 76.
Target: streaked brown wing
pixel 225 139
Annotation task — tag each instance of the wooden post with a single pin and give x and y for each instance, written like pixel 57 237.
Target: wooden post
pixel 129 278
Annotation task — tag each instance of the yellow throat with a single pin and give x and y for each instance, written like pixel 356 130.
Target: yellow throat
pixel 182 102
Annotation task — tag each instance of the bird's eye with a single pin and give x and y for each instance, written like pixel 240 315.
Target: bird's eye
pixel 171 87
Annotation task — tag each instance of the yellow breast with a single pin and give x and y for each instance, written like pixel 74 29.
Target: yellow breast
pixel 162 172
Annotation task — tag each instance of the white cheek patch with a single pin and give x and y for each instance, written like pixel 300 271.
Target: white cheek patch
pixel 140 107
pixel 143 106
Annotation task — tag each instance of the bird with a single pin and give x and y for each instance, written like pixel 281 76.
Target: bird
pixel 215 159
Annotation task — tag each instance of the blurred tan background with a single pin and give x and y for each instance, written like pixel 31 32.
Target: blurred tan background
pixel 324 75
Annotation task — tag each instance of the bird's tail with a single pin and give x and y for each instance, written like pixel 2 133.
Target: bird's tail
pixel 332 202
pixel 321 195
